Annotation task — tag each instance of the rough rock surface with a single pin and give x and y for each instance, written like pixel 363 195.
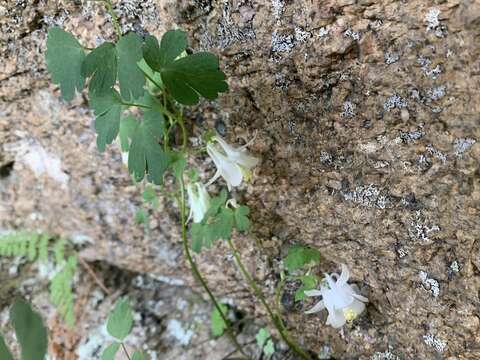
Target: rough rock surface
pixel 367 116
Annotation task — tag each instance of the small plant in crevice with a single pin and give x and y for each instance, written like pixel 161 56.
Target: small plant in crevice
pixel 44 250
pixel 119 326
pixel 137 89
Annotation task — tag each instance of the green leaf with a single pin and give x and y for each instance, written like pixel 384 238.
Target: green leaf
pixel 241 218
pixel 185 77
pixel 120 320
pixel 146 155
pixel 137 355
pixel 141 217
pixel 130 77
pixel 217 324
pixel 150 196
pixel 299 256
pixel 30 331
pixel 178 164
pixel 217 224
pixel 127 128
pixel 309 282
pixel 110 352
pixel 108 109
pixel 64 58
pixel 101 64
pixel 269 349
pixel 155 76
pixel 5 354
pixel 262 336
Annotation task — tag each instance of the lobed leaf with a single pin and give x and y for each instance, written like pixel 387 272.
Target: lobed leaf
pixel 188 77
pixel 299 256
pixel 64 58
pixel 130 77
pixel 108 108
pixel 101 65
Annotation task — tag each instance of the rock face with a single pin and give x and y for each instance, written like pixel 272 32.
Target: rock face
pixel 367 116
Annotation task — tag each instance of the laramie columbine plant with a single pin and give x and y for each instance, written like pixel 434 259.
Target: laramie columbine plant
pixel 157 79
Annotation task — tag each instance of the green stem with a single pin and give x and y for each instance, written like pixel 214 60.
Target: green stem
pixel 108 4
pixel 275 318
pixel 126 352
pixel 195 270
pixel 126 103
pixel 151 79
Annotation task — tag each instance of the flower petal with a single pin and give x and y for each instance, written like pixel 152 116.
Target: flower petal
pixel 318 307
pixel 342 280
pixel 312 292
pixel 357 307
pixel 230 171
pixel 336 319
pixel 239 156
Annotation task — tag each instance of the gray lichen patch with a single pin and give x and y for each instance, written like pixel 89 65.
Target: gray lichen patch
pixel 436 93
pixel 412 136
pixel 419 228
pixel 369 196
pixel 395 101
pixel 391 57
pixel 427 69
pixel 431 150
pixel 435 342
pixel 461 145
pixel 429 284
pixel 348 109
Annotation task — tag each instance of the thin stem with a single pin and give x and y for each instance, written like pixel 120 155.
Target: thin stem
pixel 275 318
pixel 108 4
pixel 195 270
pixel 126 103
pixel 125 350
pixel 151 79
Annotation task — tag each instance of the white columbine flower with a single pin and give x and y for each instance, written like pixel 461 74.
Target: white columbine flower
pixel 198 200
pixel 342 301
pixel 233 164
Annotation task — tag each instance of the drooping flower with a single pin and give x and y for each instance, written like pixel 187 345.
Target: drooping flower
pixel 342 300
pixel 233 164
pixel 198 200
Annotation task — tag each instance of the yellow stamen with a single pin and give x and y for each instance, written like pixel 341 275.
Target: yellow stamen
pixel 349 314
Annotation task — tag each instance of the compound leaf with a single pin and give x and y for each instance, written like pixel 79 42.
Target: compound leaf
pixel 216 224
pixel 146 156
pixel 64 58
pixel 185 77
pixel 108 109
pixel 130 77
pixel 127 128
pixel 299 256
pixel 120 320
pixel 309 282
pixel 101 64
pixel 30 331
pixel 241 218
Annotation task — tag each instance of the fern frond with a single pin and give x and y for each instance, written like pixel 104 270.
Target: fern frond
pixel 19 244
pixel 61 294
pixel 36 247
